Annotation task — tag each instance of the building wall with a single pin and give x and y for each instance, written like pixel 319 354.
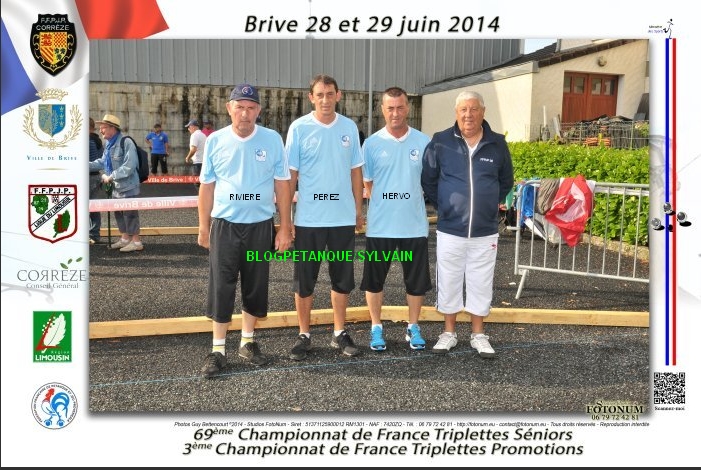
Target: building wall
pixel 507 103
pixel 356 64
pixel 139 106
pixel 629 62
pixel 519 98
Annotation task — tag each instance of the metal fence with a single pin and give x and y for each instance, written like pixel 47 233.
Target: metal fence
pixel 610 132
pixel 540 246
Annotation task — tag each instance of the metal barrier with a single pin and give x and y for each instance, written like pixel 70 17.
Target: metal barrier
pixel 545 250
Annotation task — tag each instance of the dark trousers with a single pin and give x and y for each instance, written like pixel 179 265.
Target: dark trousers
pixel 157 158
pixel 196 170
pixel 96 192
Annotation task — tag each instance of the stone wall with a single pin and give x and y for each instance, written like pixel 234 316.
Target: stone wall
pixel 140 106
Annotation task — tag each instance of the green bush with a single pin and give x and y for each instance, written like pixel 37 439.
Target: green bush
pixel 601 164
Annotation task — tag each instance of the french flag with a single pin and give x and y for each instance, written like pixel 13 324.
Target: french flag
pixel 22 76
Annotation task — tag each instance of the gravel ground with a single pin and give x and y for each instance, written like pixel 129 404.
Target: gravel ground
pixel 538 368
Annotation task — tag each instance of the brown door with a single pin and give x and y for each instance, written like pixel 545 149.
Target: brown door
pixel 588 96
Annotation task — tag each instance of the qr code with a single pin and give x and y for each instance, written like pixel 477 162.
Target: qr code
pixel 669 388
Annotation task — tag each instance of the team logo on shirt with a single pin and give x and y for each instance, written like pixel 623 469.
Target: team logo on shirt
pixel 345 140
pixel 53 42
pixel 52 211
pixel 261 155
pixel 414 154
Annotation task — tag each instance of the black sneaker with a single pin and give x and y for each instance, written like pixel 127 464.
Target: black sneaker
pixel 345 344
pixel 251 352
pixel 213 363
pixel 302 346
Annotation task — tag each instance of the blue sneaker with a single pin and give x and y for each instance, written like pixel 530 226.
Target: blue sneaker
pixel 377 342
pixel 413 336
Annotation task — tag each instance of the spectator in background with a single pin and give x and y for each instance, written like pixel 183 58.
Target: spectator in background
pixel 95 182
pixel 392 158
pixel 325 157
pixel 197 139
pixel 120 170
pixel 157 141
pixel 207 127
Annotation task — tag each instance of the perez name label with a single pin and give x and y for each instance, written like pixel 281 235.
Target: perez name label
pixel 325 197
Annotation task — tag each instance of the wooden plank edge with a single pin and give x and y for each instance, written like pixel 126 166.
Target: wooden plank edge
pixel 145 231
pixel 202 324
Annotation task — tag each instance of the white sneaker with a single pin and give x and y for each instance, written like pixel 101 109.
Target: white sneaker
pixel 132 247
pixel 480 342
pixel 446 341
pixel 120 244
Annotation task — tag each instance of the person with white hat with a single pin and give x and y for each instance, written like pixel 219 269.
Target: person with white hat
pixel 119 165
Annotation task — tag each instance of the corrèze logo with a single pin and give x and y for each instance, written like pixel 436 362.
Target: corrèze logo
pixel 260 155
pixel 345 141
pixel 54 406
pixel 51 120
pixel 52 211
pixel 414 154
pixel 46 280
pixel 53 42
pixel 52 337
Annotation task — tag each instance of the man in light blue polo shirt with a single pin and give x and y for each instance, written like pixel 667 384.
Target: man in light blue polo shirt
pixel 397 220
pixel 244 173
pixel 323 148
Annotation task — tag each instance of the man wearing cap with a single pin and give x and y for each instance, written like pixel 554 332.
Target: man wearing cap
pixel 119 166
pixel 197 139
pixel 207 129
pixel 157 141
pixel 244 174
pixel 325 157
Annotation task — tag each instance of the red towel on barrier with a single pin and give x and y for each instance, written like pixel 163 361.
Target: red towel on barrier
pixel 571 208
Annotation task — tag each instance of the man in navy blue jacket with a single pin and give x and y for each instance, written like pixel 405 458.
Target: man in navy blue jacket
pixel 467 171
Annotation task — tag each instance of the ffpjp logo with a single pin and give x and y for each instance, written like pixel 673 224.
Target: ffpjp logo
pixel 52 337
pixel 52 211
pixel 53 42
pixel 54 405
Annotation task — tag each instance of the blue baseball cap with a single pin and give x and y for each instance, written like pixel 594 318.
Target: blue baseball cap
pixel 244 92
pixel 193 122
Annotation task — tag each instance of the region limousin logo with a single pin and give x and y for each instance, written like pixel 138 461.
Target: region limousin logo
pixel 52 211
pixel 53 42
pixel 54 405
pixel 52 337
